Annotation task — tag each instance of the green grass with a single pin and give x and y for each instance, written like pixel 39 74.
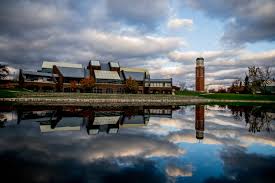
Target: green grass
pixel 6 93
pixel 188 93
pixel 227 96
pixel 11 93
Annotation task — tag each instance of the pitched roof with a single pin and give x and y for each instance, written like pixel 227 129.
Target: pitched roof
pixel 95 63
pixel 114 64
pixel 138 76
pixel 127 69
pixel 72 72
pixel 161 80
pixel 39 74
pixel 99 74
pixel 105 66
pixel 47 64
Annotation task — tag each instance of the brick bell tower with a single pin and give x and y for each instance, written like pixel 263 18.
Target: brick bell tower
pixel 200 74
pixel 199 125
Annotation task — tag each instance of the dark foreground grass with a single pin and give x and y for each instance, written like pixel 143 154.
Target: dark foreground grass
pixel 12 93
pixel 5 93
pixel 227 96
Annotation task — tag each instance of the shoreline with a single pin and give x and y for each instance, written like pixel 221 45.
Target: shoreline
pixel 124 102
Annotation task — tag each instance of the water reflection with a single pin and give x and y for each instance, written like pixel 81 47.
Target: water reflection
pixel 95 120
pixel 257 117
pixel 199 119
pixel 137 144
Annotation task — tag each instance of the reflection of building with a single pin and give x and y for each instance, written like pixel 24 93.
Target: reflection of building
pixel 62 124
pixel 159 112
pixel 199 118
pixel 107 120
pixel 200 74
pixel 103 121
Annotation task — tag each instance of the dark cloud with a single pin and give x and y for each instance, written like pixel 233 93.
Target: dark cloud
pixel 33 31
pixel 30 156
pixel 144 13
pixel 248 21
pixel 25 165
pixel 240 166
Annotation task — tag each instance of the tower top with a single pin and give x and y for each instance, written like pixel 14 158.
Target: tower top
pixel 200 61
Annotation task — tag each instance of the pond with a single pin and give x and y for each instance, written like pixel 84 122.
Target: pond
pixel 202 143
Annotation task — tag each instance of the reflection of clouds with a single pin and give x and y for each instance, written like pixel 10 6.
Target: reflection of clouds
pixel 177 171
pixel 96 147
pixel 249 139
pixel 223 122
pixel 189 137
pixel 160 145
pixel 8 116
pixel 114 155
pixel 240 166
pixel 164 126
pixel 125 145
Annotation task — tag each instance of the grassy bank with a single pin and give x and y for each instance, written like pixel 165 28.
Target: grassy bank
pixel 4 93
pixel 59 95
pixel 227 96
pixel 14 93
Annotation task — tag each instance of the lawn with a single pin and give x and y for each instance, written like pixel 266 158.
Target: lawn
pixel 5 93
pixel 228 96
pixel 11 93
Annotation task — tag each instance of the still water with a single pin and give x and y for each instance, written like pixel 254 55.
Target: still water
pixel 137 144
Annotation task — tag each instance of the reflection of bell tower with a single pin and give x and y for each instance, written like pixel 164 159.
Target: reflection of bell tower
pixel 199 121
pixel 200 74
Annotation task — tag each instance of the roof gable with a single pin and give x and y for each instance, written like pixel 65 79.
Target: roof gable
pixel 100 74
pixel 138 76
pixel 72 72
pixel 47 64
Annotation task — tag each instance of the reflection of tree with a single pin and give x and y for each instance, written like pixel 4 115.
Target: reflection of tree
pixel 259 120
pixel 131 111
pixel 256 117
pixel 3 119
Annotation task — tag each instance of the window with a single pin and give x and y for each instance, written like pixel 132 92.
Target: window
pixel 120 90
pixel 109 90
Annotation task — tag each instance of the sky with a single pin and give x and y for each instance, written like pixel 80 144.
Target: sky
pixel 164 36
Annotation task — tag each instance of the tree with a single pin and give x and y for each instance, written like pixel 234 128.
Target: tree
pixel 236 87
pixel 87 84
pixel 73 86
pixel 246 84
pixel 221 90
pixel 131 85
pixel 182 86
pixel 258 78
pixel 4 72
pixel 212 90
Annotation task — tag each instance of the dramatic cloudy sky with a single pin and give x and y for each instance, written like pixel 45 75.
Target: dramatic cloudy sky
pixel 164 36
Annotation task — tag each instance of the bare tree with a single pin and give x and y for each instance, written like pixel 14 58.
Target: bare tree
pixel 4 72
pixel 259 77
pixel 182 86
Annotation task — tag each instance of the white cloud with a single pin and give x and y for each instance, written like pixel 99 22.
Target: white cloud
pixel 129 46
pixel 179 23
pixel 222 67
pixel 176 171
